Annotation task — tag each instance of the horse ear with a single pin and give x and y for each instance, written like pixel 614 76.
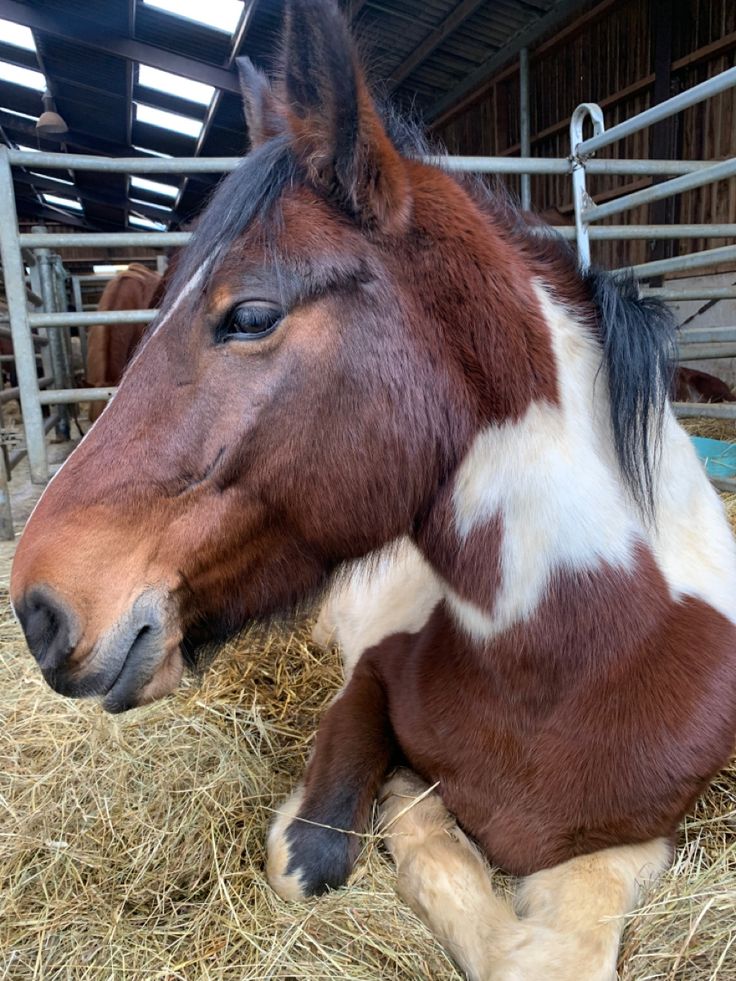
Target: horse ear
pixel 264 113
pixel 335 127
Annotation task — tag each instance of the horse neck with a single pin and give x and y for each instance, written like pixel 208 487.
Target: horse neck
pixel 535 493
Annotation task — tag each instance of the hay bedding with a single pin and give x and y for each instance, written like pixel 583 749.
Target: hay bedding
pixel 132 847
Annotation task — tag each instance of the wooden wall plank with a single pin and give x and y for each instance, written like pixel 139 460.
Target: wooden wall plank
pixel 607 56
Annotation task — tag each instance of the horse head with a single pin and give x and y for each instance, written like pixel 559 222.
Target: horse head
pixel 312 378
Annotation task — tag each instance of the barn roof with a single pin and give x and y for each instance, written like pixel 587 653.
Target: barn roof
pixel 121 73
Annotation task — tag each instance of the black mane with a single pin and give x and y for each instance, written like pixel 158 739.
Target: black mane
pixel 245 195
pixel 638 338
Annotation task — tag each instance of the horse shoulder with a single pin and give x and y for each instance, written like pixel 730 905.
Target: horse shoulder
pixel 391 593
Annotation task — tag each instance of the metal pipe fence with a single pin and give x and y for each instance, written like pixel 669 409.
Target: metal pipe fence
pixel 34 246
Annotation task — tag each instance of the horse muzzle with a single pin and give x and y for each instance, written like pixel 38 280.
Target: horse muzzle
pixel 134 661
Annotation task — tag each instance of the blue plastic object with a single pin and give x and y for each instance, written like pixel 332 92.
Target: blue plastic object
pixel 718 456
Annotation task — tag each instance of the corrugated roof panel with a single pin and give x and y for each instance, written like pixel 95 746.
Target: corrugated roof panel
pixel 485 32
pixel 20 98
pixel 183 36
pixel 112 14
pixel 83 65
pixel 104 122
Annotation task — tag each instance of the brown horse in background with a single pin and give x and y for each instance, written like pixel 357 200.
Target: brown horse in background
pixel 363 357
pixel 692 385
pixel 111 346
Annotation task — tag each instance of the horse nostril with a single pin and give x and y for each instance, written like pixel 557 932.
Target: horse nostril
pixel 49 627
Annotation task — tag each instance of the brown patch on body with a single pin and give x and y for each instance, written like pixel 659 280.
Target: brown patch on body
pixel 472 565
pixel 595 723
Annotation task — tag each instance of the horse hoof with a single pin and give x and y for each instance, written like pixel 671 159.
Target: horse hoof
pixel 306 858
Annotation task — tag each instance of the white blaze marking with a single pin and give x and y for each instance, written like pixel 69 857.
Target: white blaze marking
pixel 191 286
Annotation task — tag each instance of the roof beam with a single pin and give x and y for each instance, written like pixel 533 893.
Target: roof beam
pixel 31 208
pixel 80 139
pixel 79 30
pixel 522 39
pixel 130 70
pixel 94 197
pixel 235 49
pixel 130 76
pixel 89 143
pixel 434 40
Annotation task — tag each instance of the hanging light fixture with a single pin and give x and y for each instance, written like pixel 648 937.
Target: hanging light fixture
pixel 50 121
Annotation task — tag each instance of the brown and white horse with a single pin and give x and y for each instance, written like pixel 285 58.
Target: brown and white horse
pixel 361 356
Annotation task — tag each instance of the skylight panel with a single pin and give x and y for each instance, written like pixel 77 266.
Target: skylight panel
pixel 62 202
pixel 168 120
pixel 221 15
pixel 17 35
pixel 48 177
pixel 108 269
pixel 27 77
pixel 150 204
pixel 184 88
pixel 154 186
pixel 147 223
pixel 153 153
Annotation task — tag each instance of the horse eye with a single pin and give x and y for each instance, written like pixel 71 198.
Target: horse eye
pixel 249 322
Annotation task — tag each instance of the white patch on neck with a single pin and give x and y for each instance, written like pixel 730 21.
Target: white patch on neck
pixel 693 542
pixel 553 479
pixel 389 593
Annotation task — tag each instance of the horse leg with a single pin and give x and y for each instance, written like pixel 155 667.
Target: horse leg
pixel 315 839
pixel 567 922
pixel 443 876
pixel 576 910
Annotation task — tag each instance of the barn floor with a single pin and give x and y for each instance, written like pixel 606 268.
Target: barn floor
pixel 132 847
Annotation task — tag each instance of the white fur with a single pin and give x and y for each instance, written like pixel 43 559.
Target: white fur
pixel 554 480
pixel 692 543
pixel 288 885
pixel 389 594
pixel 552 477
pixel 566 923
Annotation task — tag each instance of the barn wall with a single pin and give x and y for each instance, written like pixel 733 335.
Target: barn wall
pixel 609 55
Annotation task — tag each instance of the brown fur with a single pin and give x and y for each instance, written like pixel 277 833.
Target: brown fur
pixel 233 476
pixel 569 733
pixel 698 386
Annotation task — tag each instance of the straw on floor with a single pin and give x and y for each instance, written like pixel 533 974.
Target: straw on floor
pixel 132 847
